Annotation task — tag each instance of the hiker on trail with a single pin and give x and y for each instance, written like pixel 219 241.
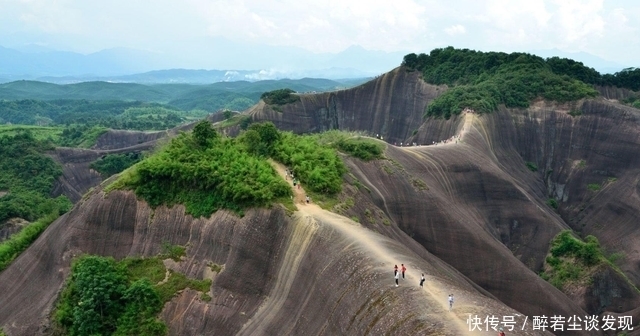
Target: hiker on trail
pixel 307 199
pixel 404 269
pixel 397 277
pixel 450 301
pixel 422 280
pixel 501 333
pixel 395 270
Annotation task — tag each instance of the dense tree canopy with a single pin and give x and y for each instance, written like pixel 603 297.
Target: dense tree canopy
pixel 483 80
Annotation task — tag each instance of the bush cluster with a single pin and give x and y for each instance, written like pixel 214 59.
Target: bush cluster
pixel 481 81
pixel 105 297
pixel 280 97
pixel 360 148
pixel 112 164
pixel 318 167
pixel 205 172
pixel 570 257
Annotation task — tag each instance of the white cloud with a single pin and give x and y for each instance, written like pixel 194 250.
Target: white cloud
pixel 603 28
pixel 455 30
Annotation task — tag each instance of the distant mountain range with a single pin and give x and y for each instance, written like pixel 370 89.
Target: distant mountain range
pixel 130 65
pixel 123 65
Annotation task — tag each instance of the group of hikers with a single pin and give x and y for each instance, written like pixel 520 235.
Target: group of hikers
pixel 296 183
pixel 397 272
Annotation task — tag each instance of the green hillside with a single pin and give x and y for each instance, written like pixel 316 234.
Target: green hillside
pixel 484 80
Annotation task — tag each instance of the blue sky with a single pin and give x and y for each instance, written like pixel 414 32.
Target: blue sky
pixel 606 29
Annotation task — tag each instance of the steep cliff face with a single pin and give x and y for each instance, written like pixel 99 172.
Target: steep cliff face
pixel 391 105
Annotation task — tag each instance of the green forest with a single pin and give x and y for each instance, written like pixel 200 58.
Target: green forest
pixel 484 80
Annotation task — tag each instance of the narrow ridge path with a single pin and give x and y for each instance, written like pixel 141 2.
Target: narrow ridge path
pixel 435 292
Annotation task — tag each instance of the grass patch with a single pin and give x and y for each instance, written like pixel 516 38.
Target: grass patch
pixel 355 219
pixel 386 222
pixel 237 119
pixel 139 268
pixel 174 252
pixel 205 297
pixel 177 282
pixel 531 166
pixel 611 179
pixel 582 163
pixel 419 184
pixel 594 187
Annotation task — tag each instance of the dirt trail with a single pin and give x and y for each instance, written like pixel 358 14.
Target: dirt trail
pixel 379 248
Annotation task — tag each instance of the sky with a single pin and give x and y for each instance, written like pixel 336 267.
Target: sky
pixel 607 29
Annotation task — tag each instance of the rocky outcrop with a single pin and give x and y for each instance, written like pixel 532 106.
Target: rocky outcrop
pixel 391 105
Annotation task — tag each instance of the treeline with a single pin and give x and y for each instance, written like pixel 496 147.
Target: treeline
pixel 483 80
pixel 27 177
pixel 206 171
pixel 107 114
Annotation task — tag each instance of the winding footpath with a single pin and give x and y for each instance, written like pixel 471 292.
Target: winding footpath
pixel 434 294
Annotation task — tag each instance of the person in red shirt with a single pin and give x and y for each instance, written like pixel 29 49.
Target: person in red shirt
pixel 404 269
pixel 501 333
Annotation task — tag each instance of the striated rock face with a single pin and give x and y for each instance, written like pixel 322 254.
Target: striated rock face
pixel 392 106
pixel 115 139
pixel 306 274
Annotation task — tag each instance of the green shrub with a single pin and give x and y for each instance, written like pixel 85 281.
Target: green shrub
pixel 205 172
pixel 569 258
pixel 594 187
pixel 552 203
pixel 318 167
pixel 362 149
pixel 532 166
